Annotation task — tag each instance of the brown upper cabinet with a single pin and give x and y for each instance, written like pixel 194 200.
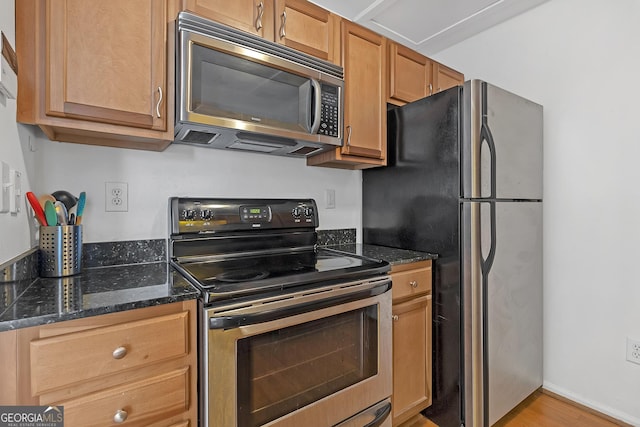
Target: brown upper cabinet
pixel 252 16
pixel 409 74
pixel 95 72
pixel 413 76
pixel 298 24
pixel 445 77
pixel 365 140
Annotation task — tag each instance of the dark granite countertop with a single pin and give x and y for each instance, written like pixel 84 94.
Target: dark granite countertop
pixel 112 281
pixel 393 256
pixel 95 291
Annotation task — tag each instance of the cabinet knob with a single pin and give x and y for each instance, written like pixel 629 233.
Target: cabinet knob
pixel 413 284
pixel 120 416
pixel 119 352
pixel 260 13
pixel 283 33
pixel 395 317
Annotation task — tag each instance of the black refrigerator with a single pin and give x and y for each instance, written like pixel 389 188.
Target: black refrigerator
pixel 464 181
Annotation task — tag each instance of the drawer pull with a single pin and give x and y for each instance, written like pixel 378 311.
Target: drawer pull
pixel 119 353
pixel 413 284
pixel 395 317
pixel 120 416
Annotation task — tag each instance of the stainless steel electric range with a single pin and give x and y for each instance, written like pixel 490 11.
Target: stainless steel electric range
pixel 290 333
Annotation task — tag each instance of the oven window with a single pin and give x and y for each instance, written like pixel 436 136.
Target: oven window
pixel 286 369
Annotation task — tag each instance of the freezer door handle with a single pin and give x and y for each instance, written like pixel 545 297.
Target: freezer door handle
pixel 485 135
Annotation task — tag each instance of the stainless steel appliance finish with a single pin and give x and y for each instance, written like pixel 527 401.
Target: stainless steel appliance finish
pixel 290 334
pixel 465 181
pixel 239 91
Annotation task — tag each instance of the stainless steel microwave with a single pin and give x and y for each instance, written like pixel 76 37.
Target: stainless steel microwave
pixel 239 91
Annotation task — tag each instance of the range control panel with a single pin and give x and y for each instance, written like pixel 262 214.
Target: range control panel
pixel 205 215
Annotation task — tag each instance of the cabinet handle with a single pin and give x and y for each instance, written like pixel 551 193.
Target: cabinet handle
pixel 159 102
pixel 120 416
pixel 348 135
pixel 395 317
pixel 430 89
pixel 413 284
pixel 260 13
pixel 119 352
pixel 283 33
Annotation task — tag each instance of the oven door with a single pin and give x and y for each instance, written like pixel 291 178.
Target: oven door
pixel 314 357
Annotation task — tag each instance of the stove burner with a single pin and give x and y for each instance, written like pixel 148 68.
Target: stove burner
pixel 239 276
pixel 327 261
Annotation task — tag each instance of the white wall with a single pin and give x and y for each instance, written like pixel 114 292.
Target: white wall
pixel 15 229
pixel 152 177
pixel 183 170
pixel 580 60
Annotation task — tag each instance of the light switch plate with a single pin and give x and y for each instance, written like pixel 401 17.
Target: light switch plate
pixel 15 191
pixel 5 172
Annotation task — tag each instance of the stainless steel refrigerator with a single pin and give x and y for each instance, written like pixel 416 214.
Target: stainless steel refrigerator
pixel 464 181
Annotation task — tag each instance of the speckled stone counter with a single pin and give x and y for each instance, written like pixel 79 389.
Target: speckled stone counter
pixel 95 291
pixel 119 276
pixel 393 256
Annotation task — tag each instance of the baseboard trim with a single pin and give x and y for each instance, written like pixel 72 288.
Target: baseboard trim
pixel 616 417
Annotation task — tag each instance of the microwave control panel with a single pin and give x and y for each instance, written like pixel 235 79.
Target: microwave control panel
pixel 329 111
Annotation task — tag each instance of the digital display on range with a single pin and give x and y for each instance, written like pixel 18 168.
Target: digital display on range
pixel 254 214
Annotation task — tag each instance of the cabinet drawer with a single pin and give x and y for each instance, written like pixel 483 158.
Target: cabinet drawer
pixel 66 359
pixel 137 403
pixel 411 282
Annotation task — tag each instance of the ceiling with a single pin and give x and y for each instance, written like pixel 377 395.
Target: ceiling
pixel 428 26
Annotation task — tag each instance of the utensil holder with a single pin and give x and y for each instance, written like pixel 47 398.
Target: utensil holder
pixel 60 250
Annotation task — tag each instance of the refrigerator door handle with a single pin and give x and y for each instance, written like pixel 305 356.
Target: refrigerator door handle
pixel 487 262
pixel 485 135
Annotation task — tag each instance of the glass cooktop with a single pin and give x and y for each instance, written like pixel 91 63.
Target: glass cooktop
pixel 258 273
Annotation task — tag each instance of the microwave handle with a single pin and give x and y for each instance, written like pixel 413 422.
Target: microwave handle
pixel 317 106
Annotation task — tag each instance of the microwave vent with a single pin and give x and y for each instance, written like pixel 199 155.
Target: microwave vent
pixel 304 151
pixel 199 137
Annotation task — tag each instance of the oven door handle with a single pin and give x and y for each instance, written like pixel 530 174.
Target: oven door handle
pixel 228 322
pixel 377 413
pixel 381 415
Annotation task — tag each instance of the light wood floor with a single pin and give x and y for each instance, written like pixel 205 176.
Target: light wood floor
pixel 542 409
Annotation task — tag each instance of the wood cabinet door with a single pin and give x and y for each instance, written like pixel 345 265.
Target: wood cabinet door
pixel 365 112
pixel 252 16
pixel 445 77
pixel 411 358
pixel 106 61
pixel 306 27
pixel 409 74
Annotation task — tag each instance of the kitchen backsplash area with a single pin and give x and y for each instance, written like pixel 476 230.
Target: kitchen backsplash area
pixel 104 254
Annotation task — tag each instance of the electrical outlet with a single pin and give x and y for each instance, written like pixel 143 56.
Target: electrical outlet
pixel 633 351
pixel 116 197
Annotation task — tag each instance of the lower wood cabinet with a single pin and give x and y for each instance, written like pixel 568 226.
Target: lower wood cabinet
pixel 411 339
pixel 137 366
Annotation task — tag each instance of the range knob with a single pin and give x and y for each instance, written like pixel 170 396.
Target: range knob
pixel 206 214
pixel 308 212
pixel 189 214
pixel 296 212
